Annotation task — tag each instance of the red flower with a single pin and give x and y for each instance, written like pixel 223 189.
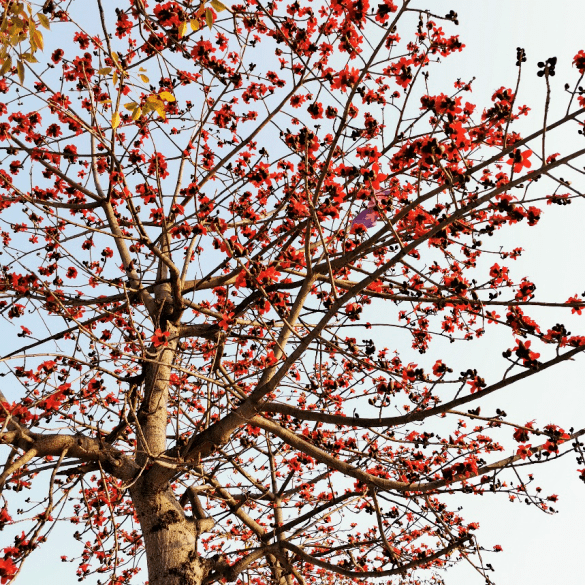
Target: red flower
pixel 346 78
pixel 268 276
pixel 576 309
pixel 160 338
pixel 53 402
pixel 579 61
pixel 440 368
pixel 521 435
pixel 519 160
pixel 524 451
pixel 7 570
pixel 226 321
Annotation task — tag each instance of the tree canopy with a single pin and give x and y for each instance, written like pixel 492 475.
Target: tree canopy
pixel 226 231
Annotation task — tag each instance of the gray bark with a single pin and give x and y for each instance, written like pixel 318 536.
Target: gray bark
pixel 170 538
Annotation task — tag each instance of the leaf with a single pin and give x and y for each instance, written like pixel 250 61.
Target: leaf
pixel 218 6
pixel 167 95
pixel 160 110
pixel 182 29
pixel 6 66
pixel 115 120
pixel 131 106
pixel 194 24
pixel 20 71
pixel 45 22
pixel 115 78
pixel 38 37
pixel 104 71
pixel 143 77
pixel 209 18
pixel 30 58
pixel 136 114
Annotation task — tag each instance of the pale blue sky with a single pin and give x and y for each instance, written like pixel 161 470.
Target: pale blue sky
pixel 538 549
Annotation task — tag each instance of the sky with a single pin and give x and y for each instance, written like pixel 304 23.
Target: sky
pixel 538 549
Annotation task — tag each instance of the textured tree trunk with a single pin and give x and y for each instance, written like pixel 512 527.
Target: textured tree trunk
pixel 169 535
pixel 169 539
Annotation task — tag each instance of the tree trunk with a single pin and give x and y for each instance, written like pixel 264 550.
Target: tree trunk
pixel 169 538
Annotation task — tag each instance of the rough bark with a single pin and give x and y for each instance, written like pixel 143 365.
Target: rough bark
pixel 170 538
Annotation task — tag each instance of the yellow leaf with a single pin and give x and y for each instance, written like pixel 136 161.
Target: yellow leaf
pixel 20 71
pixel 115 78
pixel 104 71
pixel 153 98
pixel 44 20
pixel 217 5
pixel 160 110
pixel 29 58
pixel 115 57
pixel 209 17
pixel 167 95
pixel 182 29
pixel 147 108
pixel 143 77
pixel 6 66
pixel 131 106
pixel 38 37
pixel 115 120
pixel 194 24
pixel 136 114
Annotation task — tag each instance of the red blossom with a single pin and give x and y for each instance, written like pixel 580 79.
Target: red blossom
pixel 519 160
pixel 579 61
pixel 7 570
pixel 160 338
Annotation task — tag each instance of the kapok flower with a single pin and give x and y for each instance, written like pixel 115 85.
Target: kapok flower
pixel 519 160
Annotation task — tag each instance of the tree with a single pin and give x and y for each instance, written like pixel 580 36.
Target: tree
pixel 204 210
